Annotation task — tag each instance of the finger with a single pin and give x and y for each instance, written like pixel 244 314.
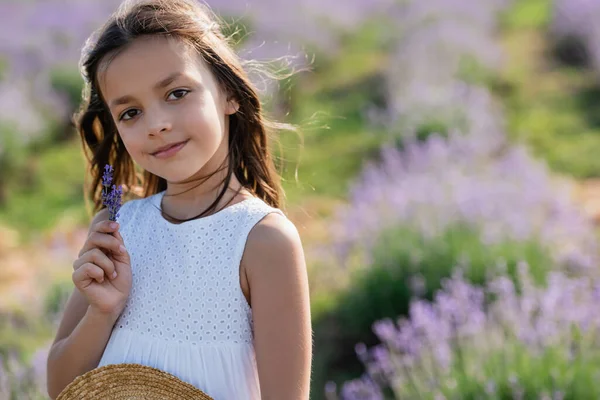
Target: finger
pixel 105 226
pixel 88 273
pixel 104 262
pixel 78 263
pixel 122 256
pixel 117 234
pixel 101 240
pixel 97 257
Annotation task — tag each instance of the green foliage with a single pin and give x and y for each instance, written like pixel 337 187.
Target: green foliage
pixel 58 174
pixel 12 156
pixel 470 70
pixel 3 66
pixel 68 81
pixel 515 371
pixel 527 14
pixel 550 106
pixel 406 265
pixel 56 297
pixel 329 105
pixel 20 332
pixel 561 129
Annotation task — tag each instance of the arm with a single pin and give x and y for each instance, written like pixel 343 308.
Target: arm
pixel 79 352
pixel 275 266
pixel 81 332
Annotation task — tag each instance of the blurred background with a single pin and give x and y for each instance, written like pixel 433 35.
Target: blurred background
pixel 445 185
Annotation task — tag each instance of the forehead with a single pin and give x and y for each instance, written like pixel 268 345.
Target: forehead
pixel 145 62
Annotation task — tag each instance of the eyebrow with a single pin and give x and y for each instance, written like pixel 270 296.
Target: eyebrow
pixel 162 84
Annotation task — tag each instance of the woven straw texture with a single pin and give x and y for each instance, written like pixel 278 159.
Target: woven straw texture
pixel 131 382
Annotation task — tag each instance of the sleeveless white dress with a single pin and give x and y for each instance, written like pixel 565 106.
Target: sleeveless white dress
pixel 186 313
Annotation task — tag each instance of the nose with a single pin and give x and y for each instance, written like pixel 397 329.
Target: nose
pixel 158 123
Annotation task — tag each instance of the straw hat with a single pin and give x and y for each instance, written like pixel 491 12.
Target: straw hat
pixel 130 382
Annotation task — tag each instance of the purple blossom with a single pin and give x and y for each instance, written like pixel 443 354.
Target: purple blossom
pixel 39 36
pixel 362 389
pixel 107 176
pixel 474 178
pixel 35 38
pixel 419 86
pixel 420 354
pixel 112 198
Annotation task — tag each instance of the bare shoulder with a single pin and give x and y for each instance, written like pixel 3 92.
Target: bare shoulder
pixel 273 226
pixel 274 234
pixel 273 243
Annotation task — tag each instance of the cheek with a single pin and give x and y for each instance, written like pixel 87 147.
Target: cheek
pixel 133 144
pixel 203 122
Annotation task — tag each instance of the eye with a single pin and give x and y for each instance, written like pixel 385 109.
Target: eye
pixel 129 113
pixel 178 94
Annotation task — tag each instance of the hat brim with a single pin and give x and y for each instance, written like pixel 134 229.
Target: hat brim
pixel 131 382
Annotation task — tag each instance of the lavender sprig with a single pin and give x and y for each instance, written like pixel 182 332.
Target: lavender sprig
pixel 112 198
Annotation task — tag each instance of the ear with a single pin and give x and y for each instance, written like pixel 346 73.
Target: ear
pixel 232 106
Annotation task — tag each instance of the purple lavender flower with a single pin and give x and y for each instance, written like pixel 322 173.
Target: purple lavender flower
pixel 37 36
pixel 452 30
pixel 362 389
pixel 112 198
pixel 474 178
pixel 524 331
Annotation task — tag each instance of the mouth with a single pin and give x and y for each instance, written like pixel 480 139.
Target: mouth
pixel 170 150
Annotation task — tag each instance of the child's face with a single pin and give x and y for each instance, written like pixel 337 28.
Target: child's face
pixel 191 107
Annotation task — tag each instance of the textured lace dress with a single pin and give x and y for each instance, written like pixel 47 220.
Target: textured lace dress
pixel 186 313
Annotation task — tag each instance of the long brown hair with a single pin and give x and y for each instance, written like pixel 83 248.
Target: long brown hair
pixel 249 156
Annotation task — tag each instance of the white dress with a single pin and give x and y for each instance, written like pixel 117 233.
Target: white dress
pixel 186 313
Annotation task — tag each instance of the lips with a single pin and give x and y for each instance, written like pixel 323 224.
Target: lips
pixel 167 147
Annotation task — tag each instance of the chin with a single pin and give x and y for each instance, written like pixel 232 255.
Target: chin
pixel 180 174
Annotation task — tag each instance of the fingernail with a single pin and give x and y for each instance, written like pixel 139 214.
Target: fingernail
pixel 114 274
pixel 122 249
pixel 113 225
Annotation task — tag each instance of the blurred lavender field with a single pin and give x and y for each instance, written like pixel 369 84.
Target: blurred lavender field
pixel 444 143
pixel 462 346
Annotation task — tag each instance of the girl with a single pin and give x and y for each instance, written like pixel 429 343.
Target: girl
pixel 203 277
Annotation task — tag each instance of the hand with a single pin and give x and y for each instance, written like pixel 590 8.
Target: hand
pixel 102 255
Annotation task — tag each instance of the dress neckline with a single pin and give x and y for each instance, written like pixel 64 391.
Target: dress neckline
pixel 157 200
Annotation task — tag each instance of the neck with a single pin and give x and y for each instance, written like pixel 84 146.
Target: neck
pixel 189 198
